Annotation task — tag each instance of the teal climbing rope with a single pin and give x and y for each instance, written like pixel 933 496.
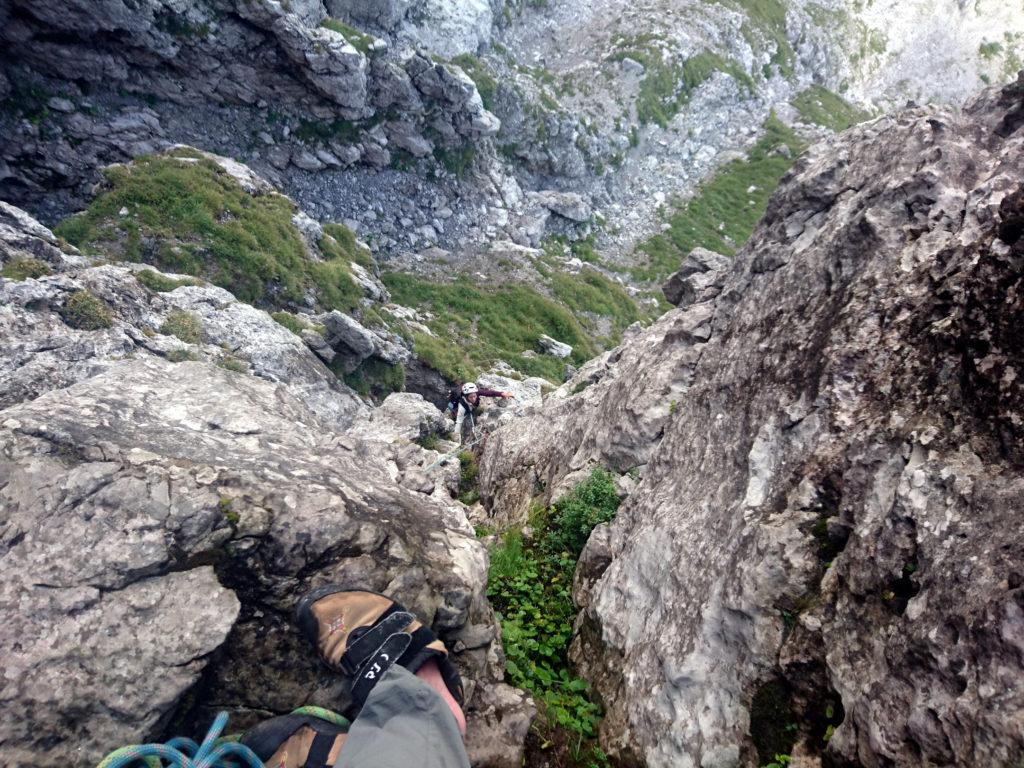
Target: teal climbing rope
pixel 181 752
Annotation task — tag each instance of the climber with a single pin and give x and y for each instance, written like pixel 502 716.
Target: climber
pixel 463 402
pixel 406 698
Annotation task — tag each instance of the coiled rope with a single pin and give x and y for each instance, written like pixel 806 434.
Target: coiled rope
pixel 182 752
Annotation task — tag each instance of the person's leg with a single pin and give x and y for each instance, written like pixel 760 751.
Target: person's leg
pixel 431 675
pixel 405 723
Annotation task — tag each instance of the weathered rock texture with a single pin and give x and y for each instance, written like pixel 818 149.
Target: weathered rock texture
pixel 828 516
pixel 159 520
pixel 79 70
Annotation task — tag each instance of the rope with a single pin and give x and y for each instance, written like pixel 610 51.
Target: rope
pixel 182 752
pixel 324 714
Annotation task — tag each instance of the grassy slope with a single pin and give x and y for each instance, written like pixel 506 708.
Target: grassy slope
pixel 186 214
pixel 822 107
pixel 725 210
pixel 476 326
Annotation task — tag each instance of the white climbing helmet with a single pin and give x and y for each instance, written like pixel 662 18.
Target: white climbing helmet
pixel 469 389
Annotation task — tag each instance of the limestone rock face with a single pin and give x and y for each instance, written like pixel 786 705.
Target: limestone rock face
pixel 826 530
pixel 118 489
pixel 134 78
pixel 124 476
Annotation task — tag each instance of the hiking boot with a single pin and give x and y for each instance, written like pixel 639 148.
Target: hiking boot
pixel 310 737
pixel 362 634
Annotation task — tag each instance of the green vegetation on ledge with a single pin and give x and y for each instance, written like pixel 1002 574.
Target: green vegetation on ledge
pixel 361 41
pixel 480 73
pixel 24 268
pixel 184 213
pixel 530 587
pixel 724 211
pixel 822 107
pixel 86 312
pixel 668 86
pixel 476 326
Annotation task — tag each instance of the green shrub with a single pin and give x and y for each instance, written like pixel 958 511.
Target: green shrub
pixel 480 73
pixel 186 326
pixel 722 214
pixel 231 363
pixel 530 586
pixel 375 378
pixel 86 312
pixel 590 503
pixel 186 214
pixel 162 283
pixel 427 442
pixel 469 493
pixel 24 268
pixel 457 160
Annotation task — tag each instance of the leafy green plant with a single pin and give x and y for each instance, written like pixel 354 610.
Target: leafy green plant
pixel 780 761
pixel 24 268
pixel 530 586
pixel 86 312
pixel 186 326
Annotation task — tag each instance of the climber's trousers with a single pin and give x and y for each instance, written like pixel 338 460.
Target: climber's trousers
pixel 404 724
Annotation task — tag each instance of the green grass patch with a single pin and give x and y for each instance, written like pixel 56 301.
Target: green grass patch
pixel 766 25
pixel 187 215
pixel 24 268
pixel 480 74
pixel 591 292
pixel 162 283
pixel 530 586
pixel 476 326
pixel 469 492
pixel 668 86
pixel 289 321
pixel 186 326
pixel 376 378
pixel 724 211
pixel 822 107
pixel 356 38
pixel 86 312
pixel 233 364
pixel 990 50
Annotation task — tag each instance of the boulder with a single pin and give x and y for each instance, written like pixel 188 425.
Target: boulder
pixel 158 470
pixel 347 336
pixel 550 346
pixel 700 278
pixel 568 205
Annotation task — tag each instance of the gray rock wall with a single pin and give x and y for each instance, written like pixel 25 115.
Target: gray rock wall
pixel 826 520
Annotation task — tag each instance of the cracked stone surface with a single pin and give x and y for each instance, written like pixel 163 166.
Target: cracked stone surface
pixel 830 470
